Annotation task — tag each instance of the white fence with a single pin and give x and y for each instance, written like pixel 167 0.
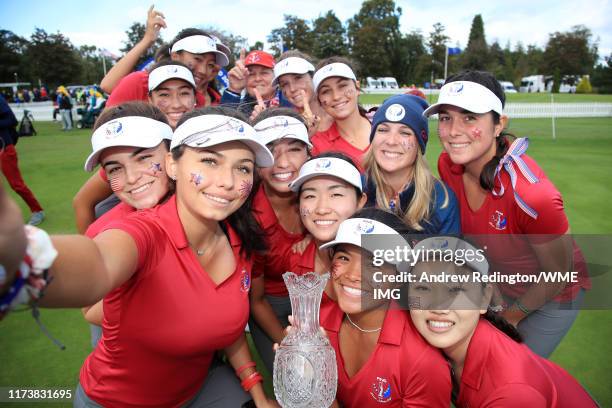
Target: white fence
pixel 558 110
pixel 44 110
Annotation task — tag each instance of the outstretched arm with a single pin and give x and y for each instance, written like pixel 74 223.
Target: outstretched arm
pixel 12 238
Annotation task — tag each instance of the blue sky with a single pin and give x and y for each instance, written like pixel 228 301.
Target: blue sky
pixel 104 22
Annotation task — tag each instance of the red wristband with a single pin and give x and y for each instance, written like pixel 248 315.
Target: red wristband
pixel 250 381
pixel 240 369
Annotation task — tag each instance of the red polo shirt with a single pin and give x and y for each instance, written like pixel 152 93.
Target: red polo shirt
pixel 331 140
pixel 403 370
pixel 275 262
pixel 499 372
pixel 116 213
pixel 163 325
pixel 135 87
pixel 500 222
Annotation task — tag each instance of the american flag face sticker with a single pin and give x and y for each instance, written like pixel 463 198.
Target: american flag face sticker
pixel 116 183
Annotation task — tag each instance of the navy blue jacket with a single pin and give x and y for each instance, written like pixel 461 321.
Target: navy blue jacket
pixel 8 122
pixel 443 220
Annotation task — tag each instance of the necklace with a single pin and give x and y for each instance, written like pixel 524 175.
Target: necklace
pixel 359 328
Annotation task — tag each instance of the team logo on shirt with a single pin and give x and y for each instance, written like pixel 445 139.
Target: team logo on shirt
pixel 381 390
pixel 498 221
pixel 113 129
pixel 245 281
pixel 365 227
pixel 395 112
pixel 322 164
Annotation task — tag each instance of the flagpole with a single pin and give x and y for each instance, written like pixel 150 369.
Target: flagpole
pixel 445 62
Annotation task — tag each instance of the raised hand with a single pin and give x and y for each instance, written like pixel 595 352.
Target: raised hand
pixel 237 76
pixel 312 120
pixel 260 107
pixel 155 22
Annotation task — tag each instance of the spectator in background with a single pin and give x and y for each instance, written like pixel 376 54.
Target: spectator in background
pixel 9 164
pixel 65 107
pixel 43 94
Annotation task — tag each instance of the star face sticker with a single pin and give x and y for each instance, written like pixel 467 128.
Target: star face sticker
pixel 196 178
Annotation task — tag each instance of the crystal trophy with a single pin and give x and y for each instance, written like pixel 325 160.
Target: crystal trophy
pixel 305 373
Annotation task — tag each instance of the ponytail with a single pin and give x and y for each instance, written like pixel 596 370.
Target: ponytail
pixel 502 325
pixel 502 143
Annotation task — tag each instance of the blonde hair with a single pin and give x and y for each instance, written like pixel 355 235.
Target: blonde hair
pixel 419 208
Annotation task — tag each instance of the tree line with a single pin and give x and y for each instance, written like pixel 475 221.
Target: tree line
pixel 371 38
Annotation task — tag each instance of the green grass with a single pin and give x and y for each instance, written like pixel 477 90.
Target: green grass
pixel 579 162
pixel 517 97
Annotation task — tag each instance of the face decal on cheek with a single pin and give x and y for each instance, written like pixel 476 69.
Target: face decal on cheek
pixel 350 92
pixel 335 268
pixel 304 212
pixel 155 169
pixel 443 132
pixel 115 184
pixel 245 188
pixel 408 144
pixel 476 133
pixel 196 179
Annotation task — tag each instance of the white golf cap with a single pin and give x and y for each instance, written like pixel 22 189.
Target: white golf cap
pixel 200 44
pixel 336 69
pixel 291 65
pixel 211 130
pixel 454 245
pixel 282 127
pixel 352 231
pixel 161 74
pixel 468 95
pixel 327 166
pixel 134 131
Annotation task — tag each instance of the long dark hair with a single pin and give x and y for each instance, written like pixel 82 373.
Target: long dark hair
pixel 242 220
pixel 502 142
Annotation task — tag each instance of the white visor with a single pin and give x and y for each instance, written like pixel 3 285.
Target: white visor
pixel 468 95
pixel 337 69
pixel 327 166
pixel 352 231
pixel 161 74
pixel 291 65
pixel 220 46
pixel 279 127
pixel 134 131
pixel 211 130
pixel 457 246
pixel 201 44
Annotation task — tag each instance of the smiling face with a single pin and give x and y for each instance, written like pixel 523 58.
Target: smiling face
pixel 174 98
pixel 213 182
pixel 289 155
pixel 294 86
pixel 339 97
pixel 260 78
pixel 136 175
pixel 395 147
pixel 468 138
pixel 353 282
pixel 203 66
pixel 446 315
pixel 326 201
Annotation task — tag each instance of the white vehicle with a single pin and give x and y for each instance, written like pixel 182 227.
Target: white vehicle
pixel 508 86
pixel 388 82
pixel 536 83
pixel 373 83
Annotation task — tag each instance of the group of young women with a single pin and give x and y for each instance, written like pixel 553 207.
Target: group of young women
pixel 215 207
